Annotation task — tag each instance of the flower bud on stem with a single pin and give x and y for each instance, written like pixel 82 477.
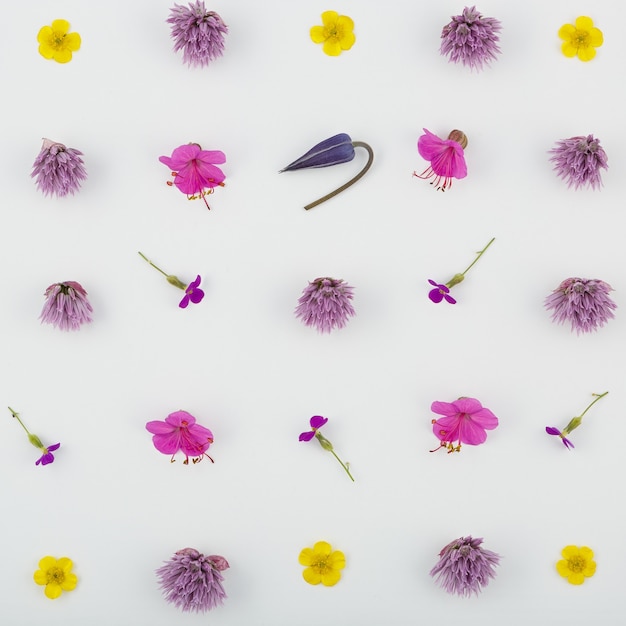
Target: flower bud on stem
pixel 329 447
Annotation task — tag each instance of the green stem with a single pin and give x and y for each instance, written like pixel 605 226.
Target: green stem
pixel 479 254
pixel 345 467
pixel 145 258
pixel 17 417
pixel 598 396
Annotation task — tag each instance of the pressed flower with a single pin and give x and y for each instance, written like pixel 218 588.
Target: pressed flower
pixel 316 422
pixel 463 421
pixel 471 39
pixel 193 582
pixel 67 306
pixel 332 151
pixel 56 575
pixel 180 432
pixel 465 567
pixel 446 156
pixel 193 293
pixel 577 564
pixel 583 302
pixel 46 451
pixel 56 42
pixel 336 33
pixel 575 422
pixel 578 161
pixel 58 170
pixel 325 304
pixel 581 39
pixel 441 292
pixel 323 565
pixel 197 32
pixel 194 170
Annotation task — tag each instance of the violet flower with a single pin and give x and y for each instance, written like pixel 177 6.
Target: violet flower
pixel 447 159
pixel 471 39
pixel 58 170
pixel 197 32
pixel 578 161
pixel 332 151
pixel 46 457
pixel 555 431
pixel 464 567
pixel 584 302
pixel 66 306
pixel 192 581
pixel 325 304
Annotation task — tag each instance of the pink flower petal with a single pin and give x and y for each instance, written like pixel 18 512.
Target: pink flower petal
pixel 467 405
pixel 447 428
pixel 429 145
pixel 470 432
pixel 485 419
pixel 444 408
pixel 178 417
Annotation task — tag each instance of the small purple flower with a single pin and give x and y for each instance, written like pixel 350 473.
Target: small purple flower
pixel 47 456
pixel 192 581
pixel 192 293
pixel 471 39
pixel 317 421
pixel 464 567
pixel 584 302
pixel 67 306
pixel 197 32
pixel 578 161
pixel 58 170
pixel 439 293
pixel 555 431
pixel 325 304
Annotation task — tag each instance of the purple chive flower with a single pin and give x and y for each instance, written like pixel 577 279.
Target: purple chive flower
pixel 555 431
pixel 585 303
pixel 192 293
pixel 578 161
pixel 317 421
pixel 337 149
pixel 58 170
pixel 197 32
pixel 192 581
pixel 439 293
pixel 471 39
pixel 464 567
pixel 66 306
pixel 325 304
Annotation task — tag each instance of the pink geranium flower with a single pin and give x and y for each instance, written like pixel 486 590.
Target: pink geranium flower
pixel 194 170
pixel 463 421
pixel 447 160
pixel 179 431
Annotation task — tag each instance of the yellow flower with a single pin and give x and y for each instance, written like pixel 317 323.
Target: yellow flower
pixel 56 43
pixel 55 575
pixel 577 565
pixel 581 39
pixel 336 33
pixel 322 563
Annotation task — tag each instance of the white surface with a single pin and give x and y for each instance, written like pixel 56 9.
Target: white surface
pixel 246 368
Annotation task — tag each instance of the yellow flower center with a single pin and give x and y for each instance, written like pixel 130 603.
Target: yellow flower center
pixel 55 575
pixel 577 564
pixel 320 565
pixel 57 40
pixel 580 38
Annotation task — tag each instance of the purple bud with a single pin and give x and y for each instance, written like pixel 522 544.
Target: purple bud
pixel 337 149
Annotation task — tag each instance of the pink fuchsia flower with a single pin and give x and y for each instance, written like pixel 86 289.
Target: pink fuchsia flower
pixel 57 170
pixel 47 457
pixel 192 293
pixel 67 306
pixel 317 421
pixel 194 170
pixel 325 304
pixel 463 421
pixel 197 32
pixel 578 161
pixel 179 432
pixel 583 302
pixel 447 160
pixel 439 293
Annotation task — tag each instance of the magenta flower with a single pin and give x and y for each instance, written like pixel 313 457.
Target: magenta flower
pixel 58 170
pixel 194 170
pixel 463 421
pixel 46 457
pixel 197 32
pixel 192 293
pixel 447 160
pixel 66 306
pixel 578 161
pixel 583 302
pixel 193 582
pixel 179 432
pixel 317 421
pixel 325 304
pixel 439 293
pixel 555 431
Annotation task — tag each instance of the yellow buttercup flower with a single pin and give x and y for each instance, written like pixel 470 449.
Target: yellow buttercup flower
pixel 336 33
pixel 577 564
pixel 56 575
pixel 581 39
pixel 322 564
pixel 55 42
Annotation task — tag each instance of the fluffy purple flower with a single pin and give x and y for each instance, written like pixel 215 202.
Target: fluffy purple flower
pixel 439 293
pixel 578 161
pixel 192 581
pixel 555 431
pixel 198 32
pixel 192 293
pixel 584 302
pixel 58 170
pixel 471 39
pixel 464 567
pixel 325 304
pixel 66 306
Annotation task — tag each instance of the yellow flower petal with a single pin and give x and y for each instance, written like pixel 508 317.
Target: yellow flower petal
pixel 586 553
pixel 569 552
pixel 45 32
pixel 63 56
pixel 318 34
pixel 563 569
pixel 306 556
pixel 596 39
pixel 60 26
pixel 330 578
pixel 65 564
pixel 566 31
pixel 337 560
pixel 345 23
pixel 329 18
pixel 322 547
pixel 53 590
pixel 47 562
pixel 569 49
pixel 332 47
pixel 40 577
pixel 590 570
pixel 584 23
pixel 72 41
pixel 313 577
pixel 586 53
pixel 576 578
pixel 347 41
pixel 70 582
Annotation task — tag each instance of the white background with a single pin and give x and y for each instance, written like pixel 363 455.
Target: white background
pixel 246 368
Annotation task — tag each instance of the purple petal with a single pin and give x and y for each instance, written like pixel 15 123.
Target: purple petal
pixel 337 149
pixel 184 303
pixel 435 295
pixel 54 447
pixel 567 443
pixel 317 421
pixel 307 436
pixel 553 431
pixel 449 298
